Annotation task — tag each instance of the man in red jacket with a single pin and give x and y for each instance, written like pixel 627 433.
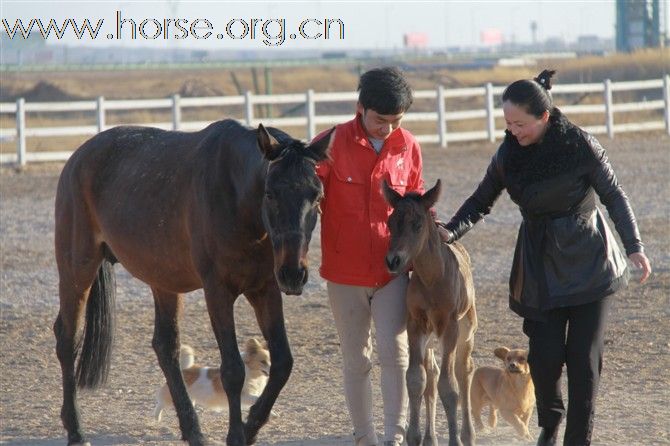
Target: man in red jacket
pixel 354 240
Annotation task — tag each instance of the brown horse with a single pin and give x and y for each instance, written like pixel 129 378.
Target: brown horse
pixel 227 209
pixel 440 301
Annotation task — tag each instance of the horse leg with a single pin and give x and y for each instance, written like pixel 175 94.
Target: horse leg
pixel 430 397
pixel 67 329
pixel 416 379
pixel 464 370
pixel 267 305
pixel 165 343
pixel 447 385
pixel 220 305
pixel 78 258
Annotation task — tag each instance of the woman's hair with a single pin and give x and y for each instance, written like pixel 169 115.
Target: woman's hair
pixel 533 95
pixel 385 90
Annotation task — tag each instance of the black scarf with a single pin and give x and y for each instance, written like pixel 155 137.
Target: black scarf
pixel 561 150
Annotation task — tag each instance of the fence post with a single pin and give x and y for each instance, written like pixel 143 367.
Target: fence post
pixel 311 125
pixel 490 119
pixel 666 101
pixel 176 112
pixel 609 111
pixel 249 107
pixel 100 113
pixel 441 117
pixel 21 132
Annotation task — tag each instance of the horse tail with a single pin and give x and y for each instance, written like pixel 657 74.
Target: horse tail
pixel 94 360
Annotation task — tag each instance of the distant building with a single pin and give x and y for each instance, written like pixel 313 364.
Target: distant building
pixel 415 41
pixel 638 24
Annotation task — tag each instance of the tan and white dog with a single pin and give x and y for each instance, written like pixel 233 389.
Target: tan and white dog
pixel 509 390
pixel 204 383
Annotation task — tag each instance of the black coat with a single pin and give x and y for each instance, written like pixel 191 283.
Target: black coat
pixel 565 252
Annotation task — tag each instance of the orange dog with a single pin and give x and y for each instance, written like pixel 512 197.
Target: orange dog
pixel 509 390
pixel 204 383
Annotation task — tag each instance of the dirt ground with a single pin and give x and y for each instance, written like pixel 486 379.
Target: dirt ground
pixel 635 391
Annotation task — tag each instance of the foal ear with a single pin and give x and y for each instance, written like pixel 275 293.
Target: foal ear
pixel 267 143
pixel 429 199
pixel 321 149
pixel 391 196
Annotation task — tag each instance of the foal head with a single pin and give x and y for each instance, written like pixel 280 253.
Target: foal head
pixel 409 223
pixel 290 203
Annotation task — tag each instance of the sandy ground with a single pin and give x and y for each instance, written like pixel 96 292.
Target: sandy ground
pixel 632 408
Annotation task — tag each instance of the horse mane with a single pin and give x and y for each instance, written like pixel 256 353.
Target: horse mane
pixel 294 150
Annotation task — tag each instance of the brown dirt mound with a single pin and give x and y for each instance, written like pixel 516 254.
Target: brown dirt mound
pixel 45 91
pixel 197 88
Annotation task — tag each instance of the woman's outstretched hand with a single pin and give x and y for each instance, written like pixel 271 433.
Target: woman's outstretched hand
pixel 641 261
pixel 445 234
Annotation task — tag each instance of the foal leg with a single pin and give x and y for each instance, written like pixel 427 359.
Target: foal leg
pixel 220 305
pixel 447 385
pixel 267 304
pixel 464 370
pixel 416 379
pixel 165 343
pixel 430 397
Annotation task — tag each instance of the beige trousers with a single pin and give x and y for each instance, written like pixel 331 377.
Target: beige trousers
pixel 354 309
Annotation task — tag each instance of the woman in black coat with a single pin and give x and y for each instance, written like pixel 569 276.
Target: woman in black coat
pixel 566 260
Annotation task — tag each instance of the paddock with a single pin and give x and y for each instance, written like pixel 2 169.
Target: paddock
pixel 632 405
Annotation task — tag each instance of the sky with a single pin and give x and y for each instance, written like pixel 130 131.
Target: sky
pixel 267 24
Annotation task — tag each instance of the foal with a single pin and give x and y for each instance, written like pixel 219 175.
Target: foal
pixel 440 301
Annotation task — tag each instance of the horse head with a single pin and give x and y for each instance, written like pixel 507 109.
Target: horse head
pixel 410 224
pixel 290 203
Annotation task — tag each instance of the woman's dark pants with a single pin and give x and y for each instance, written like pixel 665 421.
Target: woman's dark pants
pixel 573 336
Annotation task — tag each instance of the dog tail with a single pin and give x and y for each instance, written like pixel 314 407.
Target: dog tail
pixel 186 357
pixel 94 361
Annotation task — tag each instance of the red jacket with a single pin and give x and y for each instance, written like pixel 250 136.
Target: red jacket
pixel 354 233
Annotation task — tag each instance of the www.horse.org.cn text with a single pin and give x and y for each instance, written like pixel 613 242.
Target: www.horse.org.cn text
pixel 271 32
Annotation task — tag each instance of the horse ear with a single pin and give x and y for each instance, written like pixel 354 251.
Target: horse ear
pixel 430 198
pixel 321 148
pixel 267 143
pixel 389 194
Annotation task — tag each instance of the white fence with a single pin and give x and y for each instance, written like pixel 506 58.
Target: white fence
pixel 441 116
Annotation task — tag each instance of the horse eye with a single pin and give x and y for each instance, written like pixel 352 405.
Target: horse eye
pixel 269 195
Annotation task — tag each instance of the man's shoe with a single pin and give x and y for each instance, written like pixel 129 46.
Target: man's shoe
pixel 548 436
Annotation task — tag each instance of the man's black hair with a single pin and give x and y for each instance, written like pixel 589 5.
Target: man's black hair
pixel 385 90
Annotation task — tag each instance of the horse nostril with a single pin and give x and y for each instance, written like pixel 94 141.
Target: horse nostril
pixel 392 262
pixel 305 275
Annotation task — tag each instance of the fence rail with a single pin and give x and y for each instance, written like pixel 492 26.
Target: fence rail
pixel 441 116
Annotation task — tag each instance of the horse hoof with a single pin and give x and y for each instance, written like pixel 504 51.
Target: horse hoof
pixel 197 441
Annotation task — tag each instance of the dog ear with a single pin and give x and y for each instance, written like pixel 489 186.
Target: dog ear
pixel 501 352
pixel 252 346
